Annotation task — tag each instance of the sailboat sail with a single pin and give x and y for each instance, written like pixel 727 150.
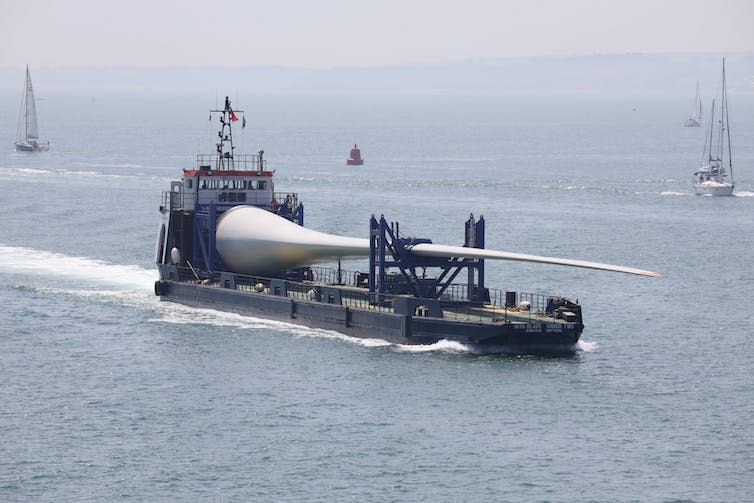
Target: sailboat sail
pixel 698 102
pixel 27 136
pixel 31 110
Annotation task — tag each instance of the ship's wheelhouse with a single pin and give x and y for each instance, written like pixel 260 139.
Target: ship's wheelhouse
pixel 217 183
pixel 226 188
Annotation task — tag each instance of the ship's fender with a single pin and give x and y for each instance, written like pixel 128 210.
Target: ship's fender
pixel 160 288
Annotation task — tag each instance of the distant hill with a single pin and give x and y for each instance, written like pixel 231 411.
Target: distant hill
pixel 608 74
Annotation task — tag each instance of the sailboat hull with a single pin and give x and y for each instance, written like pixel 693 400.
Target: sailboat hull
pixel 691 122
pixel 713 188
pixel 25 146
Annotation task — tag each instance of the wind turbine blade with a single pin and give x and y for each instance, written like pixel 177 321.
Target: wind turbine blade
pixel 433 250
pixel 254 241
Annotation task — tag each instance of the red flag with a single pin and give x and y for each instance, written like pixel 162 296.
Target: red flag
pixel 233 115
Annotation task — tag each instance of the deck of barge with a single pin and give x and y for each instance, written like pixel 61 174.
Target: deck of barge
pixel 356 297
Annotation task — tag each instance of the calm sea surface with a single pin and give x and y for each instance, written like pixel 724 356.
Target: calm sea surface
pixel 108 394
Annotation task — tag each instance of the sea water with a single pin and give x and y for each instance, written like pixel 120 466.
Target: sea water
pixel 106 393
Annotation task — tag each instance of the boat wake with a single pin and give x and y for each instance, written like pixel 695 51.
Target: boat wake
pixel 443 346
pixel 131 286
pixel 183 315
pixel 674 193
pixel 124 165
pixel 82 270
pixel 12 173
pixel 586 346
pixel 743 193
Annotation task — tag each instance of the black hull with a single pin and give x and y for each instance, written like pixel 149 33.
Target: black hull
pixel 368 324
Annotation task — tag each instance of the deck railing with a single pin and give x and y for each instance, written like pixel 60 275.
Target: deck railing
pixel 346 281
pixel 239 162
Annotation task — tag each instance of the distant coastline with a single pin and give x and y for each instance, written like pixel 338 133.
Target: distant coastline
pixel 596 73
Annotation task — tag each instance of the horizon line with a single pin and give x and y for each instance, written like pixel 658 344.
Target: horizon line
pixel 384 65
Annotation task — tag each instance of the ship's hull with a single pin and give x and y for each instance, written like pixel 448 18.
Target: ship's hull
pixel 375 324
pixel 691 122
pixel 25 146
pixel 712 188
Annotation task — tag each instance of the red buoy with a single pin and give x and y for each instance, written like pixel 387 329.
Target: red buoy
pixel 355 158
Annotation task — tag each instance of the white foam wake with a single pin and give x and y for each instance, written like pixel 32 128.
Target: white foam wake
pixel 42 263
pixel 131 286
pixel 16 172
pixel 673 193
pixel 586 346
pixel 443 346
pixel 180 315
pixel 8 172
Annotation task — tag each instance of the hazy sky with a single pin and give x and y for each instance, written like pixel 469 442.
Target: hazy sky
pixel 328 33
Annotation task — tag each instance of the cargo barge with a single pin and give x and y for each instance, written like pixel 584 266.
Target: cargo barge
pixel 229 241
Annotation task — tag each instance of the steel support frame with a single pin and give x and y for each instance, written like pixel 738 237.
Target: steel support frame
pixel 388 250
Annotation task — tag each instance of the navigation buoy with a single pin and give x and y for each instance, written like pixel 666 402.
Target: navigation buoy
pixel 355 158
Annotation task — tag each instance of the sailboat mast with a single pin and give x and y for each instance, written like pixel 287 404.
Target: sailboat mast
pixel 726 123
pixel 26 103
pixel 22 116
pixel 711 130
pixel 720 136
pixel 32 131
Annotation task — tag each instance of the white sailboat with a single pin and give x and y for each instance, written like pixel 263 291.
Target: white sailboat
pixel 714 178
pixel 27 135
pixel 695 120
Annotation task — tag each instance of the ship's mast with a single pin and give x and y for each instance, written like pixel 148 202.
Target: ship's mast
pixel 225 148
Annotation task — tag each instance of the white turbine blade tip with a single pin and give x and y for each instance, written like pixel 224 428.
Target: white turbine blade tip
pixel 433 250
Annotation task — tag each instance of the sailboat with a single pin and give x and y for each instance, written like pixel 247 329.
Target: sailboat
pixel 713 177
pixel 27 136
pixel 695 120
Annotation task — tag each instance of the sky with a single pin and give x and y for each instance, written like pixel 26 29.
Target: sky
pixel 341 33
